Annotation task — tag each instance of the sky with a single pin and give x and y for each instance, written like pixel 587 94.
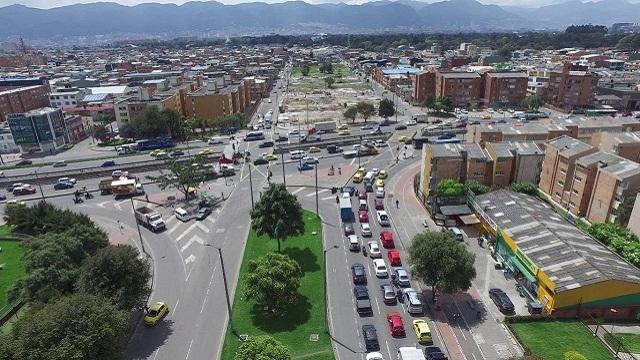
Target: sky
pixel 45 4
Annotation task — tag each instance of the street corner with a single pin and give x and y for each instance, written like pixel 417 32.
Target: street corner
pixel 121 235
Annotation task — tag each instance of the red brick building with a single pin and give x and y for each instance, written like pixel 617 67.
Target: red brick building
pixel 23 99
pixel 569 89
pixel 424 85
pixel 461 87
pixel 504 88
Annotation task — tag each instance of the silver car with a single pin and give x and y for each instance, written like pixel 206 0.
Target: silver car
pixel 401 277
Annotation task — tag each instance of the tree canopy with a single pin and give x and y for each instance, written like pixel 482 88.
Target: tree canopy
pixel 449 188
pixel 586 29
pixel 184 175
pixel 43 217
pixel 365 109
pixel 326 68
pixel 476 187
pixel 623 213
pixel 442 262
pixel 386 108
pixel 619 239
pixel 273 280
pixel 277 214
pixel 154 123
pixel 525 188
pixel 305 70
pixel 329 81
pixel 116 272
pixel 351 113
pixel 262 347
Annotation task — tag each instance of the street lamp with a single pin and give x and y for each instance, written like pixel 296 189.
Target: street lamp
pixel 326 298
pixel 251 185
pixel 317 206
pixel 284 177
pixel 138 226
pixel 39 185
pixel 226 286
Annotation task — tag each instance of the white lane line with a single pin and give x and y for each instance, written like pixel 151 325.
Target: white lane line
pixel 311 194
pixel 322 191
pixel 328 198
pixel 195 238
pixel 102 204
pixel 156 354
pixel 191 258
pixel 176 307
pixel 202 227
pixel 352 161
pixel 189 351
pixel 117 206
pixel 377 305
pixel 298 190
pixel 388 349
pixel 187 231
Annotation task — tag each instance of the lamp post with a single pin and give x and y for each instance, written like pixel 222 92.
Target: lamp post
pixel 226 286
pixel 317 204
pixel 138 226
pixel 39 185
pixel 326 298
pixel 284 177
pixel 251 186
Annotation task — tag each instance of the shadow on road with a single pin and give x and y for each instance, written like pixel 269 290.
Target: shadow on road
pixel 149 340
pixel 305 258
pixel 465 306
pixel 282 321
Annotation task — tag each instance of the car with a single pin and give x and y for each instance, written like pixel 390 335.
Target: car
pixel 381 268
pixel 423 333
pixel 388 294
pixel 396 326
pixel 411 123
pixel 269 157
pixel 108 163
pixel 310 160
pixel 502 301
pixel 343 127
pixel 394 257
pixel 380 143
pixel 379 183
pixel 380 192
pixel 154 153
pixel 205 152
pixel 354 243
pixel 266 144
pixel 345 195
pixel 374 356
pixel 366 127
pixel 11 187
pixel 362 195
pixel 434 353
pixel 25 189
pixel 358 274
pixel 305 166
pixel 348 229
pixel 60 163
pixel 378 204
pixel 370 337
pixel 403 138
pixel 374 249
pixel 67 179
pixel 155 313
pixel 363 216
pixel 383 218
pixel 363 303
pixel 375 171
pixel 62 185
pixel 176 153
pixel 313 149
pixel 24 162
pixel 203 212
pixel 349 189
pixel 386 239
pixel 215 141
pixel 401 127
pixel 344 132
pixel 357 178
pixel 365 229
pixel 260 161
pixel 400 277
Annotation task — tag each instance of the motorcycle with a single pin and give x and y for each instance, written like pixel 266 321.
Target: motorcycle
pixel 88 195
pixel 78 200
pixel 364 250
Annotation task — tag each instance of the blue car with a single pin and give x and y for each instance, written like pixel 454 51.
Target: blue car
pixel 108 163
pixel 305 166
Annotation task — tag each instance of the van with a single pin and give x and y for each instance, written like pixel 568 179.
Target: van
pixel 369 177
pixel 414 305
pixel 456 233
pixel 181 214
pixel 297 154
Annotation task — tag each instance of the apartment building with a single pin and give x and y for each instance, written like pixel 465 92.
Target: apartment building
pixel 40 130
pixel 424 85
pixel 624 144
pixel 23 99
pixel 133 106
pixel 612 184
pixel 66 98
pixel 505 88
pixel 569 89
pixel 559 165
pixel 514 161
pixel 462 87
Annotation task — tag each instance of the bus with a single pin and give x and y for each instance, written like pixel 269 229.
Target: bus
pixel 152 144
pixel 254 135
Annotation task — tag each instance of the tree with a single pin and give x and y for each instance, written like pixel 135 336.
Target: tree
pixel 533 102
pixel 441 262
pixel 262 347
pixel 351 113
pixel 586 29
pixel 273 280
pixel 99 132
pixel 449 188
pixel 326 68
pixel 80 326
pixel 525 188
pixel 386 108
pixel 305 70
pixel 365 109
pixel 329 80
pixel 183 175
pixel 116 272
pixel 430 101
pixel 154 123
pixel 278 214
pixel 445 103
pixel 623 213
pixel 574 355
pixel 476 187
pixel 44 217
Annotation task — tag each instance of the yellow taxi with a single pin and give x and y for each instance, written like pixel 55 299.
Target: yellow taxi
pixel 383 174
pixel 344 132
pixel 205 152
pixel 423 333
pixel 154 152
pixel 343 127
pixel 357 178
pixel 403 138
pixel 270 157
pixel 155 313
pixel 361 170
pixel 379 183
pixel 313 149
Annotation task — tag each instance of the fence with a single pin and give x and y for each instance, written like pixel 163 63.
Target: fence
pixel 608 338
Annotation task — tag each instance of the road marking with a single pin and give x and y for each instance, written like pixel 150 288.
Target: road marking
pixel 202 227
pixel 311 194
pixel 191 258
pixel 156 355
pixel 298 190
pixel 102 204
pixel 117 206
pixel 187 231
pixel 327 198
pixel 189 351
pixel 195 238
pixel 388 349
pixel 377 306
pixel 352 161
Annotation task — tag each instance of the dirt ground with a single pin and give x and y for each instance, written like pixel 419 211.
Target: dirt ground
pixel 324 104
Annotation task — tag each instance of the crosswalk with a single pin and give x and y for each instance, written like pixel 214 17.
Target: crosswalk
pixel 309 192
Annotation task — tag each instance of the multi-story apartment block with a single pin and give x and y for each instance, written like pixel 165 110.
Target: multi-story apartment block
pixel 515 161
pixel 130 107
pixel 568 89
pixel 22 99
pixel 66 98
pixel 206 103
pixel 40 130
pixel 611 185
pixel 506 88
pixel 424 85
pixel 626 144
pixel 462 87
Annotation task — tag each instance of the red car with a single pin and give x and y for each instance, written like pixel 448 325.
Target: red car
pixel 386 238
pixel 395 324
pixel 363 216
pixel 24 190
pixel 394 258
pixel 362 195
pixel 379 204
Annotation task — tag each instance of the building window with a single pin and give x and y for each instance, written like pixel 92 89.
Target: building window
pixel 560 182
pixel 578 178
pixel 575 191
pixel 499 173
pixel 564 171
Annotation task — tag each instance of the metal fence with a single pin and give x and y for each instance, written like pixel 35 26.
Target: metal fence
pixel 604 333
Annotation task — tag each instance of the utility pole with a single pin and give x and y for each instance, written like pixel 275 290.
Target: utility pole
pixel 226 287
pixel 317 206
pixel 284 177
pixel 395 107
pixel 39 185
pixel 138 226
pixel 251 186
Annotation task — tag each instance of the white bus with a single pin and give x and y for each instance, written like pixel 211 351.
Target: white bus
pixel 254 135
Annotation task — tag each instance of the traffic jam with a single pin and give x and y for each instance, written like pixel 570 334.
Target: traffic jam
pixel 392 321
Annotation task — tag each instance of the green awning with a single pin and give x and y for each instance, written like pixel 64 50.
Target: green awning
pixel 523 270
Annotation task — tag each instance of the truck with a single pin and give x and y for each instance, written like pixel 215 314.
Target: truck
pixel 126 187
pixel 346 212
pixel 333 149
pixel 410 353
pixel 105 186
pixel 325 126
pixel 152 144
pixel 150 219
pixel 420 117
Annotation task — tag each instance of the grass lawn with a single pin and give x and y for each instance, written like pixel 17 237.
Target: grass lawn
pixel 630 341
pixel 552 339
pixel 306 317
pixel 5 230
pixel 13 269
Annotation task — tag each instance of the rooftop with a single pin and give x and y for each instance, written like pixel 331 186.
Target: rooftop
pixel 508 75
pixel 461 75
pixel 11 91
pixel 568 146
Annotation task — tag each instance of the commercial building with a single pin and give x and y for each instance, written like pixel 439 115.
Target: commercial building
pixel 462 87
pixel 569 90
pixel 7 144
pixel 504 88
pixel 40 130
pixel 22 99
pixel 567 271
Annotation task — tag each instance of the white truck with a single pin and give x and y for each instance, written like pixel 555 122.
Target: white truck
pixel 325 126
pixel 126 187
pixel 410 353
pixel 420 117
pixel 150 219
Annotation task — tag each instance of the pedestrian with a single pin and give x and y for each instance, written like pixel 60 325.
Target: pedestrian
pixel 397 204
pixel 146 197
pixel 339 171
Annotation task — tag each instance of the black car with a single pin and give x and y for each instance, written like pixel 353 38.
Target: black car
pixel 388 294
pixel 282 138
pixel 401 127
pixel 260 161
pixel 203 213
pixel 385 122
pixel 434 353
pixel 62 185
pixel 363 303
pixel 358 273
pixel 177 153
pixel 370 337
pixel 266 144
pixel 502 301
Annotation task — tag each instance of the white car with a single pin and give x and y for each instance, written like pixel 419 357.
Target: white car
pixel 346 195
pixel 365 229
pixel 375 171
pixel 374 356
pixel 380 192
pixel 411 123
pixel 383 218
pixel 374 249
pixel 380 143
pixel 214 141
pixel 354 243
pixel 67 179
pixel 381 268
pixel 310 160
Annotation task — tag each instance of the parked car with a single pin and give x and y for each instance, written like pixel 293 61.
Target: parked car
pixel 383 218
pixel 380 268
pixel 358 274
pixel 365 230
pixel 354 243
pixel 388 294
pixel 396 326
pixel 374 249
pixel 502 301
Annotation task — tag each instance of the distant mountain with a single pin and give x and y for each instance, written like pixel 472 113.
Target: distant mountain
pixel 297 16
